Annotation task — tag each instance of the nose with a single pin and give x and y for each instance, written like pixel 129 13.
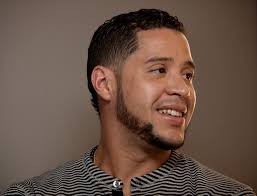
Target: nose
pixel 177 85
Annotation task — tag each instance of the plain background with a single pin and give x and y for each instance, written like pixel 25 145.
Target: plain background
pixel 45 114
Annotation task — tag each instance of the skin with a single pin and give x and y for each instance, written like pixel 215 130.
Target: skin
pixel 158 75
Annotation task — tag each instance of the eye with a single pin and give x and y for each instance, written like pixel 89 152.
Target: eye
pixel 160 70
pixel 189 76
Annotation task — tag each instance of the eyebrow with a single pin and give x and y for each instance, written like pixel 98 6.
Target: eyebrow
pixel 158 59
pixel 190 64
pixel 169 59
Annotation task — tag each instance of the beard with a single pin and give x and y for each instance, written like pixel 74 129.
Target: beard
pixel 145 130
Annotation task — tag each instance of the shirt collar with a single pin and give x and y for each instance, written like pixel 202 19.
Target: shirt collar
pixel 136 182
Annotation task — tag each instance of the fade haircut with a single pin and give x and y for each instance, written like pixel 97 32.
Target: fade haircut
pixel 116 39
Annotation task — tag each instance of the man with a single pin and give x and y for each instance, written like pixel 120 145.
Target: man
pixel 140 74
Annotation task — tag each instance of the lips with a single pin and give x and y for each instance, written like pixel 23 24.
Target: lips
pixel 173 114
pixel 177 110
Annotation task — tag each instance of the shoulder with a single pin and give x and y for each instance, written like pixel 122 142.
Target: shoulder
pixel 49 182
pixel 208 180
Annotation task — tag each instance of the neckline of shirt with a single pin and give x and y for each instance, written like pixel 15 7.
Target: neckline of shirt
pixel 136 182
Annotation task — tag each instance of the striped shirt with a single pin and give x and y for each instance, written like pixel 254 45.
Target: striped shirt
pixel 180 175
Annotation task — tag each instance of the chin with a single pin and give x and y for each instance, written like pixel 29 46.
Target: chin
pixel 170 143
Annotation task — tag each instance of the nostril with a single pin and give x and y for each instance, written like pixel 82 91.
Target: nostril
pixel 178 88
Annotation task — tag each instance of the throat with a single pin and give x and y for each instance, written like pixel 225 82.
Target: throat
pixel 124 165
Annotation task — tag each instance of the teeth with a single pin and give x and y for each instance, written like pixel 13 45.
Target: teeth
pixel 171 112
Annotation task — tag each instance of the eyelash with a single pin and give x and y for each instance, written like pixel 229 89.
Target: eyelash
pixel 162 70
pixel 189 76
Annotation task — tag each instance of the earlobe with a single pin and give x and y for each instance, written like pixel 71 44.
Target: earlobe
pixel 101 81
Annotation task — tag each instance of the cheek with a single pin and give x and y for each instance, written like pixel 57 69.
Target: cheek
pixel 141 94
pixel 193 97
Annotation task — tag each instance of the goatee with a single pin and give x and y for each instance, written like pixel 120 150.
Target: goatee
pixel 145 130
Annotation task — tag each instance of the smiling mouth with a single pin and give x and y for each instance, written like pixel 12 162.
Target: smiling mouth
pixel 171 112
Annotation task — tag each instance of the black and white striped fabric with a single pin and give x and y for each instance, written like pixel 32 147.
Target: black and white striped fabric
pixel 180 175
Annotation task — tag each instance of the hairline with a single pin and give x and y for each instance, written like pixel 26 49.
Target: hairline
pixel 118 68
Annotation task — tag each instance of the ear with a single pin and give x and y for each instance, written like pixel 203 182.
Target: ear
pixel 102 79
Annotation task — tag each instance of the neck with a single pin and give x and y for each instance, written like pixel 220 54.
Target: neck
pixel 125 156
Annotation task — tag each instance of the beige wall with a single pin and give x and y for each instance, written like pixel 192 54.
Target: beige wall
pixel 45 113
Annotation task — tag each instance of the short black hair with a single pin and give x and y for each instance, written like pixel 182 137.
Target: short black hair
pixel 116 39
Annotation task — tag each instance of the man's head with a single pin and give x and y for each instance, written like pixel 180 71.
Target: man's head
pixel 151 60
pixel 116 39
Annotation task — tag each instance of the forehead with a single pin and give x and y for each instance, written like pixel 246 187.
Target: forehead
pixel 163 42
